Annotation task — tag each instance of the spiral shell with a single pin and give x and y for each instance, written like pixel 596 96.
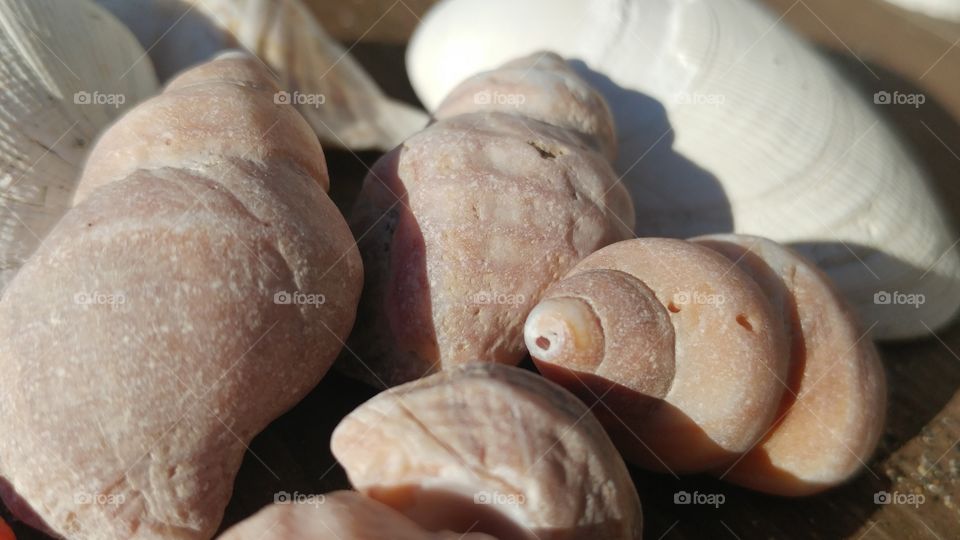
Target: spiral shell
pixel 727 352
pixel 686 346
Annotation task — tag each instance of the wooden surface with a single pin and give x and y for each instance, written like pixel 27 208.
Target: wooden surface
pixel 880 48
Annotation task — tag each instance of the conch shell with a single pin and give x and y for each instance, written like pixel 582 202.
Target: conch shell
pixel 68 69
pixel 208 252
pixel 728 122
pixel 336 96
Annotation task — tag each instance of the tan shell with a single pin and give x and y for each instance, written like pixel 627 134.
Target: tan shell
pixel 833 412
pixel 683 347
pixel 491 447
pixel 451 223
pixel 342 515
pixel 153 333
pixel 446 224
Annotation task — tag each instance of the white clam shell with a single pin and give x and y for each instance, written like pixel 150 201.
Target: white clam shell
pixel 67 69
pixel 943 9
pixel 727 121
pixel 332 91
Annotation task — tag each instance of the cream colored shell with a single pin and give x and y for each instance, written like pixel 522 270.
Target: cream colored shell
pixel 67 69
pixel 944 9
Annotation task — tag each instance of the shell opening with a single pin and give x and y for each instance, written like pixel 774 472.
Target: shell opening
pixel 565 330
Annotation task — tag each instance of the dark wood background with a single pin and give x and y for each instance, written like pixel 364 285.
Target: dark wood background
pixel 919 451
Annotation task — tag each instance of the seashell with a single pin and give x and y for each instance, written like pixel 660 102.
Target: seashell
pixel 331 90
pixel 728 122
pixel 68 69
pixel 148 282
pixel 490 448
pixel 697 385
pixel 451 222
pixel 758 370
pixel 942 9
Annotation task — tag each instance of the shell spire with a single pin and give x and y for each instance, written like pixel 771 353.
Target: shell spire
pixel 514 165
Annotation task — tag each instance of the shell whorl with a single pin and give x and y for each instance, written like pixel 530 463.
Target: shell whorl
pixel 692 356
pixel 541 86
pixel 833 412
pixel 639 327
pixel 569 325
pixel 232 109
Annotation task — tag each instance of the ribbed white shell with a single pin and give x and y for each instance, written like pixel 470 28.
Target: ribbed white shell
pixel 49 51
pixel 727 121
pixel 944 9
pixel 286 36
